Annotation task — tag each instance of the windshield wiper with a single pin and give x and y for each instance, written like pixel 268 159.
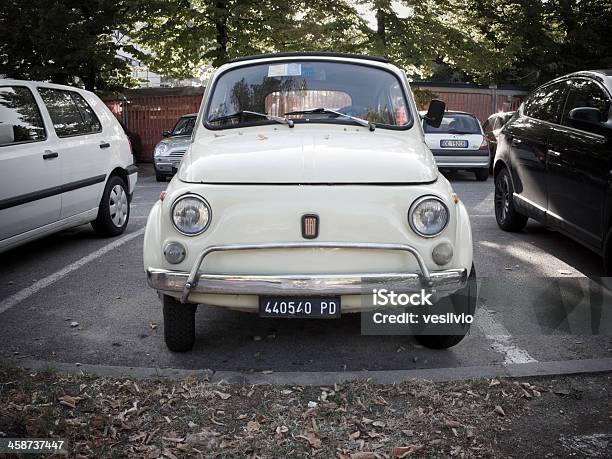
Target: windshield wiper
pixel 278 119
pixel 360 121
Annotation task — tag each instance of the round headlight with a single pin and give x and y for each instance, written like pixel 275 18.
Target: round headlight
pixel 191 215
pixel 160 149
pixel 428 216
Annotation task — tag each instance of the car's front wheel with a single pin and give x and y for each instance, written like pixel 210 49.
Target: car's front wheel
pixel 114 209
pixel 461 302
pixel 508 218
pixel 179 324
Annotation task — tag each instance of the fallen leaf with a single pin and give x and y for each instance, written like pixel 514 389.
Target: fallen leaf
pixel 222 395
pixel 499 410
pixel 69 401
pixel 205 438
pixel 153 326
pixel 452 424
pixel 355 435
pixel 378 424
pixel 281 430
pixel 252 426
pixel 74 324
pixel 312 439
pixel 405 451
pixel 364 455
pixel 494 382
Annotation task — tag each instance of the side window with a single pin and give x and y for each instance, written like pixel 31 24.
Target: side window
pixel 586 93
pixel 68 118
pixel 545 104
pixel 20 119
pixel 87 113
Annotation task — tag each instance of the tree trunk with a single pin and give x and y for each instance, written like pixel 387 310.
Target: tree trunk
pixel 221 16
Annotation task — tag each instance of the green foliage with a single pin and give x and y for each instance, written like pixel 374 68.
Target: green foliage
pixel 546 38
pixel 67 40
pixel 423 97
pixel 483 41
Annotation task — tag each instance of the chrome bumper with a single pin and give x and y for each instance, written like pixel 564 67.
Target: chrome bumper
pixel 446 281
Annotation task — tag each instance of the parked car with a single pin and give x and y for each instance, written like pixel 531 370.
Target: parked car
pixel 307 184
pixel 64 161
pixel 169 152
pixel 492 128
pixel 459 143
pixel 554 161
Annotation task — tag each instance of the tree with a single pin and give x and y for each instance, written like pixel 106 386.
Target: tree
pixel 68 41
pixel 187 35
pixel 546 38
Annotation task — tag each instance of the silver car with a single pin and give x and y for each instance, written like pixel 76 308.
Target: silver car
pixel 169 152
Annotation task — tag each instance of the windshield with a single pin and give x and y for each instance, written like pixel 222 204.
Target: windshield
pixel 277 89
pixel 184 126
pixel 455 124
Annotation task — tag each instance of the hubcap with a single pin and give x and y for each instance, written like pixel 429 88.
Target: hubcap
pixel 502 198
pixel 118 206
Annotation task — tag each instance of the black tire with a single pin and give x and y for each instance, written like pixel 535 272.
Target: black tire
pixel 160 177
pixel 462 301
pixel 481 174
pixel 508 218
pixel 113 222
pixel 179 324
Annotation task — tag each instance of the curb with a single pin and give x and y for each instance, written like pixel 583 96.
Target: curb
pixel 317 378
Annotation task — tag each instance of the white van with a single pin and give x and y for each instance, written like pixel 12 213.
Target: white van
pixel 64 161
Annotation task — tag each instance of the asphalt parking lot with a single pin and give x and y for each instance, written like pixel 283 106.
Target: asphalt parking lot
pixel 541 300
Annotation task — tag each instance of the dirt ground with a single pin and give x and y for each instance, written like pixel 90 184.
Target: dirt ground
pixel 113 417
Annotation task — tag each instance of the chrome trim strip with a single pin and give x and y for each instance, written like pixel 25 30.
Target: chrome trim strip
pixel 449 281
pixel 530 202
pixel 251 283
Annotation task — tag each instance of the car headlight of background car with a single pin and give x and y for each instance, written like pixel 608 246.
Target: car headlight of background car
pixel 160 149
pixel 191 215
pixel 428 216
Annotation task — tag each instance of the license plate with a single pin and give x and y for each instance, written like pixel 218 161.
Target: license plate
pixel 299 307
pixel 454 143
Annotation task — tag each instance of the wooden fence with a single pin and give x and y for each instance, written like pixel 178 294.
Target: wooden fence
pixel 149 112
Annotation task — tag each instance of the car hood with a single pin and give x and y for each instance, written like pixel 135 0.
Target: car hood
pixel 291 156
pixel 181 142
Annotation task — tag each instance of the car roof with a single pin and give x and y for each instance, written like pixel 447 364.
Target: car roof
pixel 603 76
pixel 310 54
pixel 7 81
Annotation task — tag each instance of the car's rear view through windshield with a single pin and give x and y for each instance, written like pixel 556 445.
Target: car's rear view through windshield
pixel 307 91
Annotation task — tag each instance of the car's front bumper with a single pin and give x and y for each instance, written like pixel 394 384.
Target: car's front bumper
pixel 461 159
pixel 188 283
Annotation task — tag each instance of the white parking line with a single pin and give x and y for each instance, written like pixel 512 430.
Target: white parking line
pixel 52 278
pixel 501 340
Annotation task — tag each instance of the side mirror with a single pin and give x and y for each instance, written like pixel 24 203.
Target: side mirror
pixel 166 133
pixel 435 113
pixel 585 115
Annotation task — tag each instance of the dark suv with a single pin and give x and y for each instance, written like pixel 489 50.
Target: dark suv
pixel 554 161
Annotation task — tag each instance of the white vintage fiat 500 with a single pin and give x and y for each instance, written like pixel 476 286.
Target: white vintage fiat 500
pixel 308 185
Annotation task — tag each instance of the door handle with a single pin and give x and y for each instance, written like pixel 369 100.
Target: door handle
pixel 554 153
pixel 105 145
pixel 50 154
